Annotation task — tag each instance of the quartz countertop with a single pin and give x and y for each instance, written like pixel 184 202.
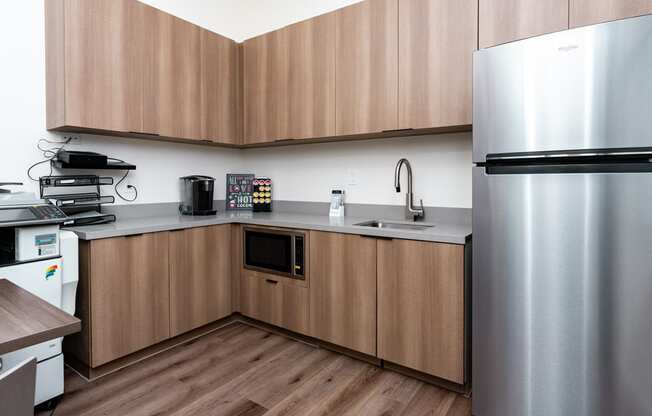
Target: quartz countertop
pixel 442 231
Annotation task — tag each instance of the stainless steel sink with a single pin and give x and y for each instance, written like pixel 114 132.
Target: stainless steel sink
pixel 394 225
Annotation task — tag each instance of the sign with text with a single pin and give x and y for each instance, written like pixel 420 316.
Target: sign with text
pixel 239 191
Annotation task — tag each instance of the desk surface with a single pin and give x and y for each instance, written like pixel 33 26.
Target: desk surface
pixel 26 319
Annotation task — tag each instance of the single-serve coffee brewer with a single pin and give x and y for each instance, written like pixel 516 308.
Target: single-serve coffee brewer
pixel 197 195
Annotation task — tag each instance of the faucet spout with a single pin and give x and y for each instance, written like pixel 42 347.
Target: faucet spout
pixel 410 211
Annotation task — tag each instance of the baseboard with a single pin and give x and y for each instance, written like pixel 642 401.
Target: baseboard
pixel 92 374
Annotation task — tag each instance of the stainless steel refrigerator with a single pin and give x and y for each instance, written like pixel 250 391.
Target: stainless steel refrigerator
pixel 562 224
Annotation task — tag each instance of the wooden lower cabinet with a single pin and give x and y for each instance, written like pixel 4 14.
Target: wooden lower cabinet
pixel 421 306
pixel 271 299
pixel 200 277
pixel 343 290
pixel 129 295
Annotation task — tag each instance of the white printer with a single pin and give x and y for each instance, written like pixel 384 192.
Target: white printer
pixel 37 256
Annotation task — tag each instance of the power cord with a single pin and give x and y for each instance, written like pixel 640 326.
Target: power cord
pixel 49 153
pixel 129 186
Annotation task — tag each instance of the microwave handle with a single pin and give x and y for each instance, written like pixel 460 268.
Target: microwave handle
pixel 293 260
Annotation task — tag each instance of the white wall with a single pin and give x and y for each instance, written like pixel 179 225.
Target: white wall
pixel 22 120
pixel 441 167
pixel 442 164
pixel 244 19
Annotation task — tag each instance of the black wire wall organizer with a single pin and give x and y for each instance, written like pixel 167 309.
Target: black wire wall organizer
pixel 84 207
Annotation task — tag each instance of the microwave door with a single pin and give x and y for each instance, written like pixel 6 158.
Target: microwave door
pixel 269 252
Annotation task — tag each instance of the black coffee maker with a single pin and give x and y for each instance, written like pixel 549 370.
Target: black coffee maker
pixel 197 195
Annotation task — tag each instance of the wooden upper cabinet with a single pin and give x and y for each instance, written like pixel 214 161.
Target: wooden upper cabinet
pixel 421 306
pixel 436 43
pixel 503 21
pixel 289 82
pixel 266 80
pixel 200 277
pixel 367 67
pixel 94 64
pixel 172 105
pixel 343 290
pixel 311 80
pixel 129 294
pixel 588 12
pixel 220 113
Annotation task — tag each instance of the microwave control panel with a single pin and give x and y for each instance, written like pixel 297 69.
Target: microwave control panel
pixel 299 256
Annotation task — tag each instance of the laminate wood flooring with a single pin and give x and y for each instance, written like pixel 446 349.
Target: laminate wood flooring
pixel 246 371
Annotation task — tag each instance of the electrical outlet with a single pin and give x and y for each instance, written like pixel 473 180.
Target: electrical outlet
pixel 352 177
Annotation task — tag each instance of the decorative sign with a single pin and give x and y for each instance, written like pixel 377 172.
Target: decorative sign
pixel 239 191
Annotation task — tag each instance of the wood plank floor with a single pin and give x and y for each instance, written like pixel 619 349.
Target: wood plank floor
pixel 245 371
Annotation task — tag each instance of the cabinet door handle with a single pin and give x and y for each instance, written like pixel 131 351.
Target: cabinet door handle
pixel 142 133
pixel 377 237
pixel 273 282
pixel 397 130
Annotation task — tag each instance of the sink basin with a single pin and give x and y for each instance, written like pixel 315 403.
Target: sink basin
pixel 394 225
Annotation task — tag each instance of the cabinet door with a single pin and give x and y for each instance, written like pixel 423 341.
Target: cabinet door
pixel 103 67
pixel 343 290
pixel 173 77
pixel 266 102
pixel 130 295
pixel 436 43
pixel 421 306
pixel 219 89
pixel 267 298
pixel 311 80
pixel 367 67
pixel 200 277
pixel 503 21
pixel 588 12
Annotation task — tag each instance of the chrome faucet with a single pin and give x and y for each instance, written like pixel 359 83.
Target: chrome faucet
pixel 411 213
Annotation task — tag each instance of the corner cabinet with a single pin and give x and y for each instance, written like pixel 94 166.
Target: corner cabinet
pixel 200 277
pixel 221 94
pixel 137 291
pixel 421 307
pixel 289 82
pixel 266 81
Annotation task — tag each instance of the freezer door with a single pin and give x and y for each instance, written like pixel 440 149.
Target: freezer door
pixel 586 88
pixel 562 294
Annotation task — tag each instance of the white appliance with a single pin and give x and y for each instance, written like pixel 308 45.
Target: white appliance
pixel 53 279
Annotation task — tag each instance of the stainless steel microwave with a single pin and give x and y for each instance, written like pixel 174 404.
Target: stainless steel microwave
pixel 275 251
